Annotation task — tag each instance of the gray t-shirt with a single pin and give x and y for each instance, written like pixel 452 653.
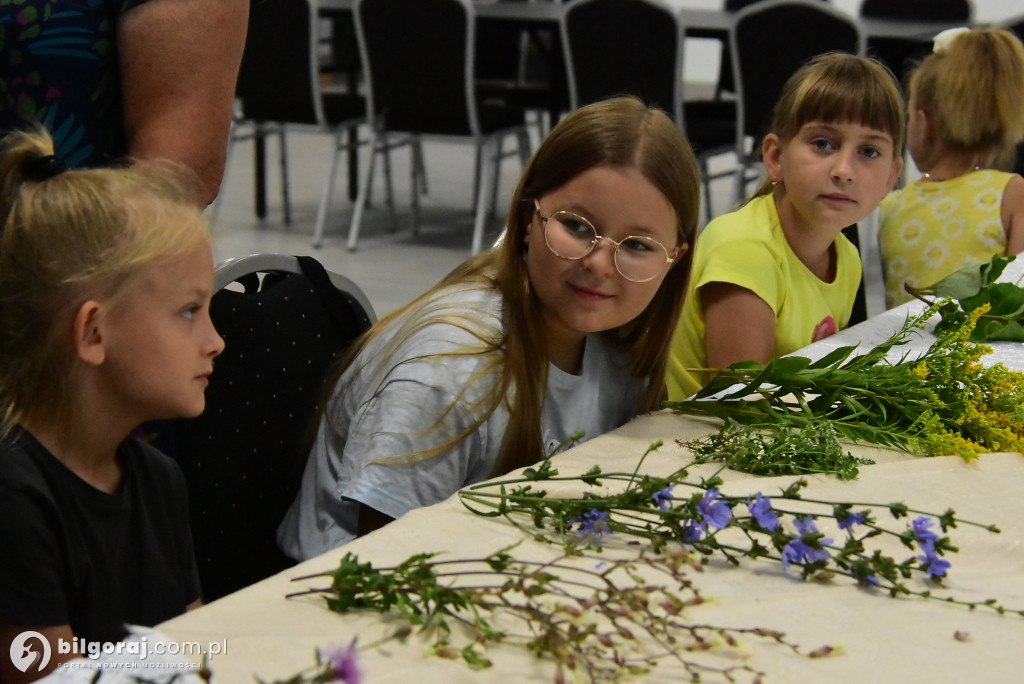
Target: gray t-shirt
pixel 422 391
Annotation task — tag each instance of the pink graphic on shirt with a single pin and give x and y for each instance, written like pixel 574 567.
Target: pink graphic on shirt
pixel 826 328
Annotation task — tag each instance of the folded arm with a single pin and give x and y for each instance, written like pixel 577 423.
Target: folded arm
pixel 179 65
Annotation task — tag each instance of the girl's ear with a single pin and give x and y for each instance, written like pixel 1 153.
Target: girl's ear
pixel 89 340
pixel 897 169
pixel 926 124
pixel 681 251
pixel 771 149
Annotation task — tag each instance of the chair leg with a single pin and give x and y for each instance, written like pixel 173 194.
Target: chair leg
pixel 328 188
pixel 741 178
pixel 389 199
pixel 478 162
pixel 499 144
pixel 523 140
pixel 482 189
pixel 416 152
pixel 259 151
pixel 285 195
pixel 421 167
pixel 703 166
pixel 364 189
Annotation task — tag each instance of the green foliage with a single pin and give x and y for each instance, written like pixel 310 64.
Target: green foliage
pixel 975 287
pixel 778 450
pixel 944 402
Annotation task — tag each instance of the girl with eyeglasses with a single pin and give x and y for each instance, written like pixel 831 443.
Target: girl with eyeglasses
pixel 777 274
pixel 563 328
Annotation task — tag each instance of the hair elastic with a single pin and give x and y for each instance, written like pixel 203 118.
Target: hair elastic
pixel 44 168
pixel 943 39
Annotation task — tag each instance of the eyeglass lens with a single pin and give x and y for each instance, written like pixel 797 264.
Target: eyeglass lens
pixel 637 258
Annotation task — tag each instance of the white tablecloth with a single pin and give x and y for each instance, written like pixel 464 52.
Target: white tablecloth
pixel 877 638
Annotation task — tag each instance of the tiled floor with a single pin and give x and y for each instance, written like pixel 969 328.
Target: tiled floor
pixel 390 267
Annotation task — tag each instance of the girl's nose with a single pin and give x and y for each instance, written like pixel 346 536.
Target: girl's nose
pixel 601 258
pixel 215 343
pixel 842 169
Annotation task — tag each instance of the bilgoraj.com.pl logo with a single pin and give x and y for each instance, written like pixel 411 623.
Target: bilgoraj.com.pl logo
pixel 22 655
pixel 31 650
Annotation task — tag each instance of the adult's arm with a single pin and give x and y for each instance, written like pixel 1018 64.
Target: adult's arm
pixel 179 65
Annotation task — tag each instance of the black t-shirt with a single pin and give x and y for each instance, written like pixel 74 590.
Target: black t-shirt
pixel 75 555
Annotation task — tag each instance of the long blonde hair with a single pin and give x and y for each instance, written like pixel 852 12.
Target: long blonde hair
pixel 69 236
pixel 974 89
pixel 840 87
pixel 618 133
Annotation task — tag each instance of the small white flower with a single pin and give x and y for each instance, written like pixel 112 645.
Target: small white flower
pixel 943 39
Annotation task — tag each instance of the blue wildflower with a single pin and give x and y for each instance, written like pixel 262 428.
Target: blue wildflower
pixel 932 563
pixel 805 525
pixel 852 519
pixel 799 551
pixel 715 513
pixel 694 530
pixel 663 498
pixel 761 509
pixel 593 523
pixel 922 530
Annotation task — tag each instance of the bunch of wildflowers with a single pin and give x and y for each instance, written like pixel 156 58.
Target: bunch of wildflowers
pixel 596 620
pixel 944 402
pixel 697 514
pixel 606 617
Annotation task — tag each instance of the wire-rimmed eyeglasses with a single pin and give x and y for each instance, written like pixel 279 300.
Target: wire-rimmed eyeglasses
pixel 638 258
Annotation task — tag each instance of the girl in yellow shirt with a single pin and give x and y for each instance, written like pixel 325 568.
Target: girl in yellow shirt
pixel 777 274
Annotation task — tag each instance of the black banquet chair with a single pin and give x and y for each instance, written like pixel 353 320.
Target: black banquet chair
pixel 285 321
pixel 280 89
pixel 899 54
pixel 419 61
pixel 763 61
pixel 635 47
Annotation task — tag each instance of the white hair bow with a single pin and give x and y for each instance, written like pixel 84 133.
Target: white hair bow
pixel 943 39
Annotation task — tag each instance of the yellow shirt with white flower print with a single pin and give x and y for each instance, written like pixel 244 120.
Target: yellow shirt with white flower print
pixel 930 229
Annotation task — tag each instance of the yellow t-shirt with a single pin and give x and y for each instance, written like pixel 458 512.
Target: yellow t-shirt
pixel 749 249
pixel 930 229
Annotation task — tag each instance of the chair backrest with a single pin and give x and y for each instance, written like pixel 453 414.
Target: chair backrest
pixel 771 40
pixel 902 53
pixel 279 77
pixel 725 75
pixel 620 47
pixel 935 10
pixel 243 457
pixel 418 61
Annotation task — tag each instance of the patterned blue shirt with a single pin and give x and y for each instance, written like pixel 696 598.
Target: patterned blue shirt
pixel 58 67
